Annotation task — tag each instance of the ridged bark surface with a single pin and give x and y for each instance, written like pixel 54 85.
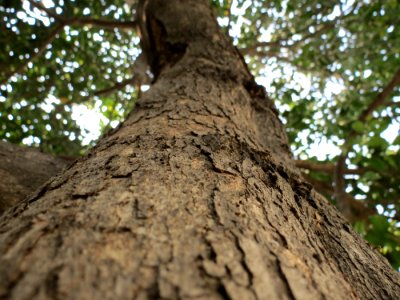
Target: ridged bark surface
pixel 194 197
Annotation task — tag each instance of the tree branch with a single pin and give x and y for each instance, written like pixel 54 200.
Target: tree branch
pixel 252 50
pixel 49 12
pixel 380 99
pixel 326 167
pixel 357 210
pixel 62 23
pixel 34 55
pixel 341 162
pixel 117 86
pixel 340 184
pixel 107 24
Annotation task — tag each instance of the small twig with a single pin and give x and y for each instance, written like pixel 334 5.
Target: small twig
pixel 228 27
pixel 49 12
pixel 252 50
pixel 117 86
pixel 34 55
pixel 62 22
pixel 107 24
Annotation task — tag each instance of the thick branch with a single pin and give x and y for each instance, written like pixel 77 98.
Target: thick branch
pixel 326 167
pixel 107 24
pixel 322 187
pixel 356 210
pixel 381 98
pixel 341 163
pixel 340 184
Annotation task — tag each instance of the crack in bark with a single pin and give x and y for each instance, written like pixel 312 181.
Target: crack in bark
pixel 245 266
pixel 284 279
pixel 213 208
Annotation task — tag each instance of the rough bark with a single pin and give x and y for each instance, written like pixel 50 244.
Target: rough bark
pixel 194 197
pixel 23 170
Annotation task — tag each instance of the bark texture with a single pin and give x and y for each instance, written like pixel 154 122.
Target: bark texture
pixel 23 170
pixel 194 197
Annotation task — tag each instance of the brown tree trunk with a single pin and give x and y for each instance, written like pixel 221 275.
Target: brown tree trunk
pixel 23 170
pixel 196 196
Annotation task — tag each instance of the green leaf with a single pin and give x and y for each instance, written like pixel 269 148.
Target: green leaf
pixel 397 140
pixel 378 142
pixel 358 127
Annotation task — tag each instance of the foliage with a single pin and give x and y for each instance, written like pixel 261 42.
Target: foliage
pixel 77 64
pixel 332 67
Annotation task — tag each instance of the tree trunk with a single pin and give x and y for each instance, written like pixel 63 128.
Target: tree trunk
pixel 196 196
pixel 23 170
